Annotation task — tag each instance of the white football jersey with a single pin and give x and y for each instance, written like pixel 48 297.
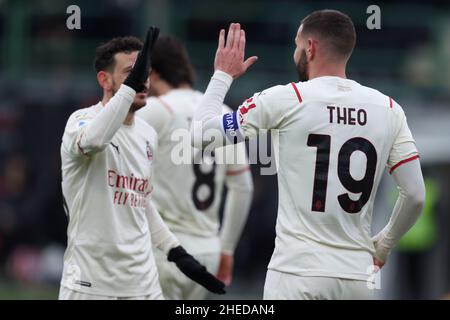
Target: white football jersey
pixel 109 249
pixel 186 194
pixel 333 138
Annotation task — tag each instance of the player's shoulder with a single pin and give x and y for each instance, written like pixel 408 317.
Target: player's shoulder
pixel 155 104
pixel 279 94
pixel 143 126
pixel 84 114
pixel 379 98
pixel 278 90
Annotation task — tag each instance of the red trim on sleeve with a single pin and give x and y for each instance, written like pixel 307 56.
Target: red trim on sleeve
pixel 403 162
pixel 237 172
pixel 297 92
pixel 166 105
pixel 390 102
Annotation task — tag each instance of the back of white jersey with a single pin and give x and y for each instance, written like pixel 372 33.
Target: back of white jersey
pixel 186 194
pixel 334 138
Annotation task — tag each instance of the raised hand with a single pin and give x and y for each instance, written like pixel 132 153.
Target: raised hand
pixel 230 55
pixel 139 74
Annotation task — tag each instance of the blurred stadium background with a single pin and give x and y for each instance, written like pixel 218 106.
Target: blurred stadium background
pixel 46 73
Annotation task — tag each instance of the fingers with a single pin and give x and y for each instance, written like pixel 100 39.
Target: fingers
pixel 233 36
pixel 249 62
pixel 378 263
pixel 230 36
pixel 242 41
pixel 155 34
pixel 221 40
pixel 150 39
pixel 236 35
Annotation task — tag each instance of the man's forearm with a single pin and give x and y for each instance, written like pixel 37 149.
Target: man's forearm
pixel 212 101
pixel 406 211
pixel 207 114
pixel 162 237
pixel 237 207
pixel 100 130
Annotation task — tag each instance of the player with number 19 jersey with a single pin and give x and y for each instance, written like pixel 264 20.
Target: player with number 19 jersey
pixel 334 138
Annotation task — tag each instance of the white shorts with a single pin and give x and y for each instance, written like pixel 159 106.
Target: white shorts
pixel 68 294
pixel 176 285
pixel 286 286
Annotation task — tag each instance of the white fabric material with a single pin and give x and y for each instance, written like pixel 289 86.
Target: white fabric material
pixel 407 209
pixel 285 286
pixel 210 108
pixel 67 294
pixel 182 189
pixel 162 237
pixel 321 230
pixel 214 95
pixel 97 133
pixel 175 284
pixel 237 207
pixel 109 243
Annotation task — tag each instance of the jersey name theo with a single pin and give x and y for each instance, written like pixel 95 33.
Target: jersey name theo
pixel 348 116
pixel 338 115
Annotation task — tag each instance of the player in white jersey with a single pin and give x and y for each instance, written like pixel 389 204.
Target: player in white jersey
pixel 188 194
pixel 107 156
pixel 334 138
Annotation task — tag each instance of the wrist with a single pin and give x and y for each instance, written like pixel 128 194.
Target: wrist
pixel 227 252
pixel 127 90
pixel 223 76
pixel 176 253
pixel 383 247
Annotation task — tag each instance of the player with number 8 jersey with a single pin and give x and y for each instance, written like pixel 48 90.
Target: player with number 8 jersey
pixel 189 183
pixel 334 138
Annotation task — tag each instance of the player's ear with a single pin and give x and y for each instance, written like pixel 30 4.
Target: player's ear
pixel 105 80
pixel 311 49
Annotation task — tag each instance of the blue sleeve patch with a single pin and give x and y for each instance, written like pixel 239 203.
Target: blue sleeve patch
pixel 231 127
pixel 81 124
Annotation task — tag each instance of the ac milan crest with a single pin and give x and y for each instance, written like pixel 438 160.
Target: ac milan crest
pixel 149 152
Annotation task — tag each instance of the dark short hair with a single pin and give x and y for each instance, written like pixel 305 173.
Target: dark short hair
pixel 104 54
pixel 335 27
pixel 171 60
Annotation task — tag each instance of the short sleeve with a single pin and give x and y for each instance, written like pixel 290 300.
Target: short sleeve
pixel 404 147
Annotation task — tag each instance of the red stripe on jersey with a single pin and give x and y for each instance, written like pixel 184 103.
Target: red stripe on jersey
pixel 390 102
pixel 237 172
pixel 297 92
pixel 403 162
pixel 243 109
pixel 166 105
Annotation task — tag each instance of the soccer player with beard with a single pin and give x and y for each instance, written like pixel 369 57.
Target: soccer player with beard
pixel 188 194
pixel 107 156
pixel 335 137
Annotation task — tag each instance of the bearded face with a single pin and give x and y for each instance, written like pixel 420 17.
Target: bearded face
pixel 302 67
